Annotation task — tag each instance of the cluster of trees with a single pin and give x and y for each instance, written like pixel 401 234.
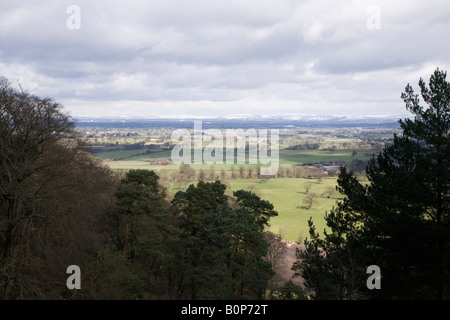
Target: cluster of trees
pixel 304 146
pixel 399 220
pixel 305 137
pixel 59 206
pixel 201 245
pixel 310 198
pixel 52 194
pixel 187 174
pixel 367 143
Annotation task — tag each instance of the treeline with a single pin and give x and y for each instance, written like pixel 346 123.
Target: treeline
pixel 187 174
pixel 104 147
pixel 200 245
pixel 59 206
pixel 304 146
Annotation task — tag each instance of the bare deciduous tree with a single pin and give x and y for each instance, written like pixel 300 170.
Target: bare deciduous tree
pixel 51 195
pixel 275 253
pixel 308 185
pixel 309 199
pixel 329 191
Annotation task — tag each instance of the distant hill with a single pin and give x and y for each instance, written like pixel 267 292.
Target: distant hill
pixel 245 121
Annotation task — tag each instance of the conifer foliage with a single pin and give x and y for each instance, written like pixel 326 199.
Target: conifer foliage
pixel 398 219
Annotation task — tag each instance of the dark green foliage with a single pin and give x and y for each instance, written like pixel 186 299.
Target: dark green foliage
pixel 398 221
pixel 260 210
pixel 250 271
pixel 144 227
pixel 192 205
pixel 290 291
pixel 222 249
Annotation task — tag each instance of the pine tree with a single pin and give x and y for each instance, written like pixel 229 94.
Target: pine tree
pixel 222 249
pixel 431 128
pixel 399 220
pixel 145 229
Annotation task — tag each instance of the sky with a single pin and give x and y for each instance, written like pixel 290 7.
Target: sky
pixel 214 58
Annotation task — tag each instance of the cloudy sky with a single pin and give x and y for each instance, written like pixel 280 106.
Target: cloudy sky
pixel 223 57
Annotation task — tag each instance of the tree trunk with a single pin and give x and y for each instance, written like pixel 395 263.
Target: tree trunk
pixel 127 240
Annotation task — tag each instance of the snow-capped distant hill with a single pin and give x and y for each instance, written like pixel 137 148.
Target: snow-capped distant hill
pixel 244 120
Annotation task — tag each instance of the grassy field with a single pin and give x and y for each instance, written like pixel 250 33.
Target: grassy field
pixel 287 195
pixel 287 157
pixel 316 156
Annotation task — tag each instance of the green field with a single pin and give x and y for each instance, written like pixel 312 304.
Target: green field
pixel 287 157
pixel 316 156
pixel 286 195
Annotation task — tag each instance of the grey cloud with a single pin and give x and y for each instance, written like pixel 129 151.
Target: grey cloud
pixel 272 53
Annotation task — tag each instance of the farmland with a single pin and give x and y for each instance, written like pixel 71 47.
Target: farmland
pixel 307 156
